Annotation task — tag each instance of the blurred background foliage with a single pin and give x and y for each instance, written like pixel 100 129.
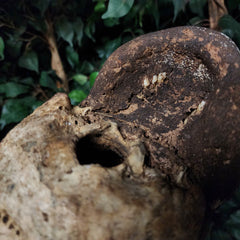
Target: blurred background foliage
pixel 49 46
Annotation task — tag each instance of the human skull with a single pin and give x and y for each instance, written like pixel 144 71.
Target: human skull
pixel 113 168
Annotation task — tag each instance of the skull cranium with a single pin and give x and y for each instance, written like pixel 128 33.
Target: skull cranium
pixel 116 168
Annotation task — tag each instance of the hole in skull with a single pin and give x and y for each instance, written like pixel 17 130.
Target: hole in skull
pixel 188 113
pixel 147 160
pixel 90 152
pixel 5 219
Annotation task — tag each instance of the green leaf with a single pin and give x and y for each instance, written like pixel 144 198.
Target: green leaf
pixel 118 8
pixel 2 46
pixel 77 96
pixel 234 220
pixel 28 81
pixel 156 14
pixel 72 57
pixel 12 89
pixel 100 7
pixel 227 207
pixel 46 81
pixel 236 233
pixel 80 78
pixel 21 29
pixel 78 30
pixel 179 5
pixel 233 224
pixel 197 6
pixel 14 46
pixel 231 28
pixel 92 78
pixel 195 21
pixel 109 48
pixel 110 22
pixel 65 30
pixel 42 5
pixel 29 60
pixel 1 103
pixel 220 235
pixel 90 30
pixel 14 110
pixel 236 195
pixel 86 67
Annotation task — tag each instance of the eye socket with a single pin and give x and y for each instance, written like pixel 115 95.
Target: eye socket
pixel 89 151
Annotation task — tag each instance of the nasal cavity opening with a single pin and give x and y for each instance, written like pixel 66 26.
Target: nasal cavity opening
pixel 89 151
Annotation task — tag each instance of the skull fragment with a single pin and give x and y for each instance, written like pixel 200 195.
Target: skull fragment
pixel 122 165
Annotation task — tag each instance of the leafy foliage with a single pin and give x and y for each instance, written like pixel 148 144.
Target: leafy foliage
pixel 2 45
pixel 118 8
pixel 226 220
pixel 29 60
pixel 231 28
pixel 85 33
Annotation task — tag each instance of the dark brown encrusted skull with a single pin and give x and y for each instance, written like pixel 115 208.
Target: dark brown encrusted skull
pixel 177 89
pixel 139 158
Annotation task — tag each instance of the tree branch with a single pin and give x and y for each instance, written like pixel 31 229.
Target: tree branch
pixel 216 9
pixel 56 62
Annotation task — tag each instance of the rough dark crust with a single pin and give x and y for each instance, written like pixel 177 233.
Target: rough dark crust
pixel 158 84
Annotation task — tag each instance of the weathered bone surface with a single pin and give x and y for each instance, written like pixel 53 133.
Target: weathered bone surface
pixel 160 124
pixel 47 194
